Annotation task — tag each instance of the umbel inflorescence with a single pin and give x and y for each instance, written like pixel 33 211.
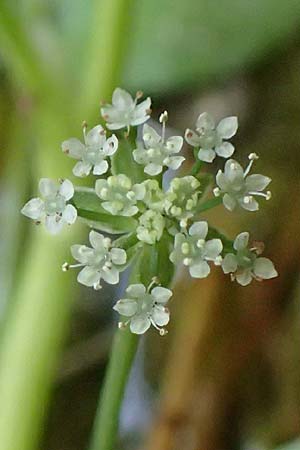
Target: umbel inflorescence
pixel 132 198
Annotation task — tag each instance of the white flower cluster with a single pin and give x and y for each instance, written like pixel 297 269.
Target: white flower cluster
pixel 136 196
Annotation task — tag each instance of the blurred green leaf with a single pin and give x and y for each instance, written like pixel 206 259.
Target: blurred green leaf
pixel 122 161
pixel 291 445
pixel 177 44
pixel 89 207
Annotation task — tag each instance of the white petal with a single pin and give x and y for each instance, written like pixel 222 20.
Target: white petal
pixel 70 214
pixel 118 256
pixel 150 136
pixel 129 211
pixel 99 185
pixel 213 248
pixel 264 268
pixel 88 276
pixel 206 155
pixel 161 294
pixel 101 168
pixel 139 120
pixel 205 121
pixel 82 169
pixel 96 136
pixel 227 127
pixel 47 187
pixel 115 125
pixel 244 278
pixel 257 182
pixel 241 241
pixel 192 138
pixel 174 144
pixel 136 290
pixel 139 190
pixel 233 170
pixel 66 189
pixel 252 205
pixel 111 145
pixel 222 181
pixel 140 324
pixel 126 307
pixel 141 112
pixel 226 149
pixel 111 276
pixel 82 253
pixel 200 229
pixel 73 147
pixel 229 263
pixel 34 209
pixel 140 156
pixel 121 99
pixel 199 270
pixel 153 169
pixel 175 162
pixel 160 316
pixel 114 116
pixel 229 202
pixel 53 224
pixel 96 240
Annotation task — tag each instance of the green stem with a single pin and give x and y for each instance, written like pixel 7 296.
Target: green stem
pixel 209 204
pixel 107 417
pixel 197 165
pixel 147 265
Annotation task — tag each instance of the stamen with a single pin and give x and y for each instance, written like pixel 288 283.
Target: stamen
pixel 84 128
pixel 155 280
pixel 163 119
pixel 97 286
pixel 252 157
pixel 187 261
pixel 200 243
pixel 218 260
pixel 247 199
pixel 266 195
pixel 217 192
pixel 163 331
pixel 139 95
pixel 65 267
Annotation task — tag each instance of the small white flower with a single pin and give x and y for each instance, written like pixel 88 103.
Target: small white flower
pixel 151 227
pixel 182 197
pixel 52 208
pixel 211 138
pixel 193 250
pixel 102 261
pixel 155 198
pixel 93 153
pixel 238 188
pixel 245 264
pixel 158 152
pixel 124 111
pixel 143 308
pixel 120 195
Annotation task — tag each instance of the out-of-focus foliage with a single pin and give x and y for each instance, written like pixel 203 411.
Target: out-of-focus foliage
pixel 178 43
pixel 174 43
pixel 294 445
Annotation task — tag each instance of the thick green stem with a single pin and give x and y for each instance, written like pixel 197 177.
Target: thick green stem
pixel 107 417
pixel 147 265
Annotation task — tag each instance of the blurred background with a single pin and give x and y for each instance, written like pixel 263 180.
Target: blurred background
pixel 227 376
